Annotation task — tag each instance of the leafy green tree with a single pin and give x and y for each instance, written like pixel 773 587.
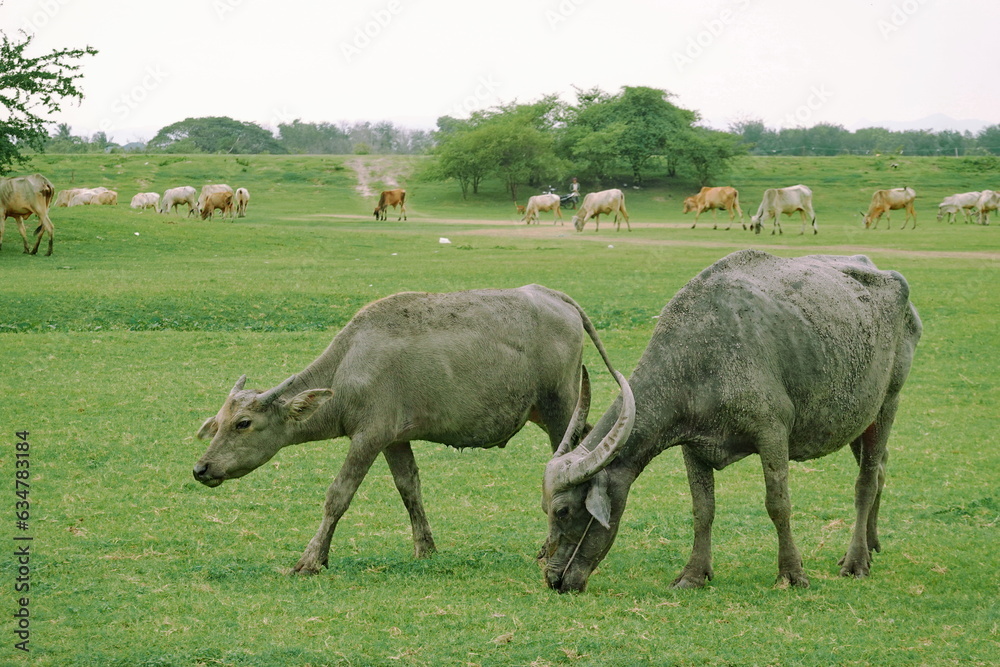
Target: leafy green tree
pixel 988 139
pixel 462 154
pixel 32 87
pixel 708 152
pixel 299 137
pixel 214 134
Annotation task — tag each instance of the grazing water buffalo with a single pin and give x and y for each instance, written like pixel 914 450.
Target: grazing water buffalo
pixel 465 369
pixel 789 359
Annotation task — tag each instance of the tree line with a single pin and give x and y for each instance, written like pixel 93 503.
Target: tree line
pixel 831 139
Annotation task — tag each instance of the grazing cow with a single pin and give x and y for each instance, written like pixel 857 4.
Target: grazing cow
pixel 963 202
pixel 220 200
pixel 520 209
pixel 794 359
pixel 81 196
pixel 722 198
pixel 989 200
pixel 22 196
pixel 596 203
pixel 174 197
pixel 465 369
pixel 145 200
pixel 65 196
pixel 548 202
pixel 209 190
pixel 105 198
pixel 391 198
pixel 242 197
pixel 884 201
pixel 785 201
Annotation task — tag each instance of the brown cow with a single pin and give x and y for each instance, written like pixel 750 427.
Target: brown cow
pixel 721 198
pixel 221 200
pixel 25 195
pixel 884 201
pixel 391 198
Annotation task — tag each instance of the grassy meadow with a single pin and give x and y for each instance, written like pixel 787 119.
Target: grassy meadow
pixel 117 347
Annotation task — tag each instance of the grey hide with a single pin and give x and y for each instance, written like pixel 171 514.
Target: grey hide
pixel 783 358
pixel 466 369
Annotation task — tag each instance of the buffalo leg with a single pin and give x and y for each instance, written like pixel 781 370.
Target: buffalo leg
pixel 403 466
pixel 359 459
pixel 701 479
pixel 774 459
pixel 872 455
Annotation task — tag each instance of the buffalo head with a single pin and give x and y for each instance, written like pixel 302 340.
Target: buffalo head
pixel 579 495
pixel 250 429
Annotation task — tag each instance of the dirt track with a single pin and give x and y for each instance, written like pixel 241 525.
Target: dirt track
pixel 609 235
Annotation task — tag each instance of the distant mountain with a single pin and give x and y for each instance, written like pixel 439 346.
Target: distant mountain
pixel 936 123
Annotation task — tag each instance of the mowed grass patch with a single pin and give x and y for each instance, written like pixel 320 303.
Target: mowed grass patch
pixel 118 348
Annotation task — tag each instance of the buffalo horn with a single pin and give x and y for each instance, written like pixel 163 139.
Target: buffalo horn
pixel 270 395
pixel 239 385
pixel 587 464
pixel 579 421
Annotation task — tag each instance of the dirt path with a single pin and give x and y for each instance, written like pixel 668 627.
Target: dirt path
pixel 611 237
pixel 369 170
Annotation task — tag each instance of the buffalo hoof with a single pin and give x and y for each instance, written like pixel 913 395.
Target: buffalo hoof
pixel 692 580
pixel 307 567
pixel 792 579
pixel 859 568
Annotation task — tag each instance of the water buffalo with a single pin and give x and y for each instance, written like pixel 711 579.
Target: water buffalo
pixel 466 369
pixel 789 359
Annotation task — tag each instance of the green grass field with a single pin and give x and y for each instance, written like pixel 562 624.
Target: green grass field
pixel 118 346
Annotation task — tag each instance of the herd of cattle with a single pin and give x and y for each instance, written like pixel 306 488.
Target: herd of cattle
pixel 796 358
pixel 775 203
pixel 24 196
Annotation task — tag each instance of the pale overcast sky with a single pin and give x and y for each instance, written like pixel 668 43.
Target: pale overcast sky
pixel 787 62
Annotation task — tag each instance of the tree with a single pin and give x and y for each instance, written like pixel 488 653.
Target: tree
pixel 708 152
pixel 989 139
pixel 214 134
pixel 32 87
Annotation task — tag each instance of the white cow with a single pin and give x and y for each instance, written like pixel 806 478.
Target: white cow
pixel 145 200
pixel 952 205
pixel 174 197
pixel 778 201
pixel 80 196
pixel 596 203
pixel 989 200
pixel 549 202
pixel 241 198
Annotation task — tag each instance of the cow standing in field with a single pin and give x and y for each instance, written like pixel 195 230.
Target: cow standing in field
pixel 144 200
pixel 596 203
pixel 719 198
pixel 785 201
pixel 23 196
pixel 241 199
pixel 952 205
pixel 989 200
pixel 213 201
pixel 547 202
pixel 794 359
pixel 174 197
pixel 465 369
pixel 884 201
pixel 391 198
pixel 214 197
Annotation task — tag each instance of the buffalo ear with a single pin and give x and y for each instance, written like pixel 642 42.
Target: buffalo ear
pixel 305 404
pixel 598 502
pixel 208 429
